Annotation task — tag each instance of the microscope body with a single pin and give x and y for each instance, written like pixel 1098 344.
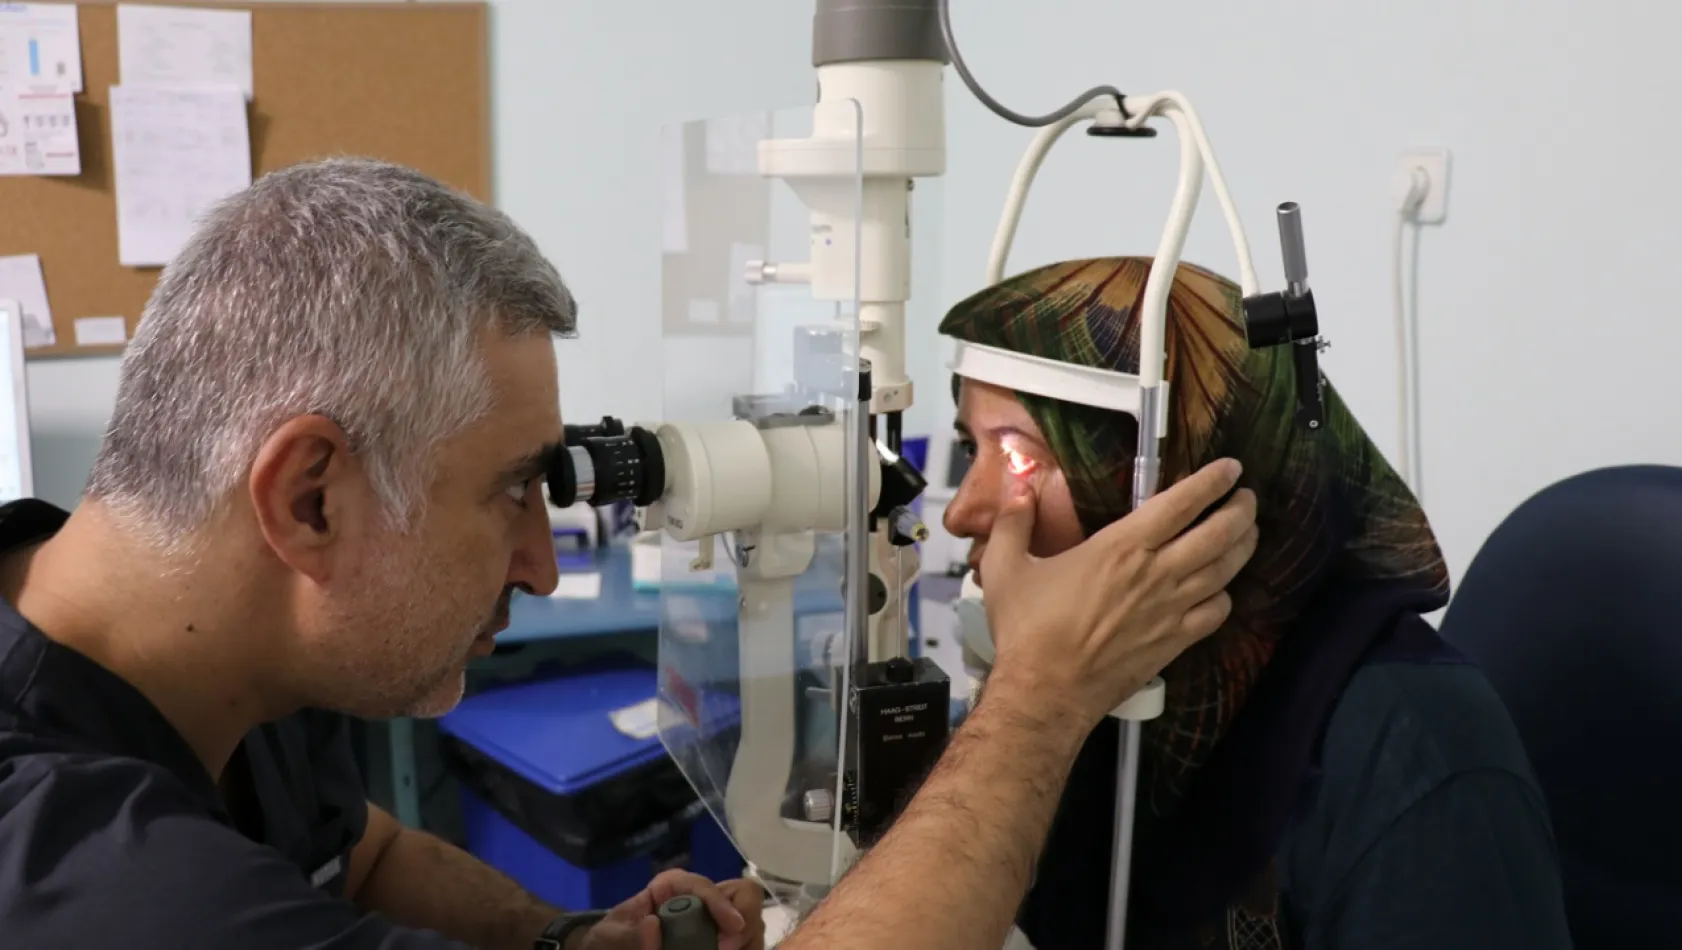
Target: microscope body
pixel 765 485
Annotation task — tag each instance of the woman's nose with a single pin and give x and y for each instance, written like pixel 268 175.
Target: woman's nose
pixel 971 511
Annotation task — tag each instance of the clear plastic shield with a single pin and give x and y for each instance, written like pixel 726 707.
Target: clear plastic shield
pixel 763 438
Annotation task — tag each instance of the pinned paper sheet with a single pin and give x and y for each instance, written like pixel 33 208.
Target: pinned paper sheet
pixel 20 280
pixel 40 47
pixel 641 721
pixel 101 331
pixel 38 133
pixel 177 152
pixel 181 46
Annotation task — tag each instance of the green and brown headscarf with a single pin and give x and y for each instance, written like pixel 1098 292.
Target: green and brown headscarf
pixel 1329 507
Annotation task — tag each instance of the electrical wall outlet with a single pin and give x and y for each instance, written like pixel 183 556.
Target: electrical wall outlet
pixel 1434 163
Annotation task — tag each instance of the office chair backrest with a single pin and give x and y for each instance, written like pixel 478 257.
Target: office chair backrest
pixel 1573 608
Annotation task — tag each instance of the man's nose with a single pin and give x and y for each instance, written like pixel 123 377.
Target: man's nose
pixel 533 566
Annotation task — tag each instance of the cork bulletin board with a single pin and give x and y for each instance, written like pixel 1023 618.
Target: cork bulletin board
pixel 404 82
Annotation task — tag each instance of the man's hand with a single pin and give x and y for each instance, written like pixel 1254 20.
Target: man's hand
pixel 1083 631
pixel 737 907
pixel 1075 635
pixel 749 900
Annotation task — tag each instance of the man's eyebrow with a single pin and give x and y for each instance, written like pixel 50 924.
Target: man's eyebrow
pixel 962 429
pixel 530 465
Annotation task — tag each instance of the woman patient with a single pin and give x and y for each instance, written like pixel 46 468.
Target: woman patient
pixel 1327 774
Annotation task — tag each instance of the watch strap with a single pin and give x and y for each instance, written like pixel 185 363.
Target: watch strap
pixel 561 929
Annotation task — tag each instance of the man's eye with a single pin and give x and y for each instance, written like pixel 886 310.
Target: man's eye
pixel 1018 463
pixel 968 448
pixel 519 491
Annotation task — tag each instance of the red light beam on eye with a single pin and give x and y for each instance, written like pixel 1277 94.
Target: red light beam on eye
pixel 1018 464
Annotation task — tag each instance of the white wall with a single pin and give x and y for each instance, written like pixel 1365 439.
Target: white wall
pixel 1548 334
pixel 1555 251
pixel 582 90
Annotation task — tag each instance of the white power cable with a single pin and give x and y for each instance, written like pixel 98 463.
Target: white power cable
pixel 1407 353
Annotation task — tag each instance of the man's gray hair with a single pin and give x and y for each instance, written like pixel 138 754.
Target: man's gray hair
pixel 349 288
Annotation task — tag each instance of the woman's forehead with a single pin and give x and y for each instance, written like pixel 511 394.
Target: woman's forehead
pixel 984 404
pixel 988 412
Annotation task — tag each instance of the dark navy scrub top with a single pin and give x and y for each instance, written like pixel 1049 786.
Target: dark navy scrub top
pixel 112 834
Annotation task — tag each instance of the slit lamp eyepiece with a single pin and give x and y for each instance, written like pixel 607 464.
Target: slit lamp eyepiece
pixel 604 463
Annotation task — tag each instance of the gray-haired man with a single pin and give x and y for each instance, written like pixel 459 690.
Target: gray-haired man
pixel 318 491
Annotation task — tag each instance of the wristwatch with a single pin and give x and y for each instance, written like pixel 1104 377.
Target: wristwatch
pixel 561 929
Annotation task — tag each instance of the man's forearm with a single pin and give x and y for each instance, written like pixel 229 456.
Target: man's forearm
pixel 420 881
pixel 954 868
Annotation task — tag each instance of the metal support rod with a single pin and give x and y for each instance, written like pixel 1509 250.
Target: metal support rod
pixel 1126 797
pixel 1292 249
pixel 858 526
pixel 1145 472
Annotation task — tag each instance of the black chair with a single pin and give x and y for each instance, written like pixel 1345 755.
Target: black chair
pixel 1573 608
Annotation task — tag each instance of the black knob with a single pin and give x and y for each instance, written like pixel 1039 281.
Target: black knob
pixel 685 924
pixel 609 426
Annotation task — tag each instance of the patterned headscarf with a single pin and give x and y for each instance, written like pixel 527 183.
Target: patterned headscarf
pixel 1327 501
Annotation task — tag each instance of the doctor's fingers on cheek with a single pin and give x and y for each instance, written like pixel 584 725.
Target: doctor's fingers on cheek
pixel 1025 489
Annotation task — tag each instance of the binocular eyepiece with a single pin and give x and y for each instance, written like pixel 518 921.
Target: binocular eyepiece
pixel 604 463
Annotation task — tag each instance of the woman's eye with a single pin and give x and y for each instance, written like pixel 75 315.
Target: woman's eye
pixel 1019 463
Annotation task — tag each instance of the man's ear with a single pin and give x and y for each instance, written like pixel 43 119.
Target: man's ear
pixel 308 493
